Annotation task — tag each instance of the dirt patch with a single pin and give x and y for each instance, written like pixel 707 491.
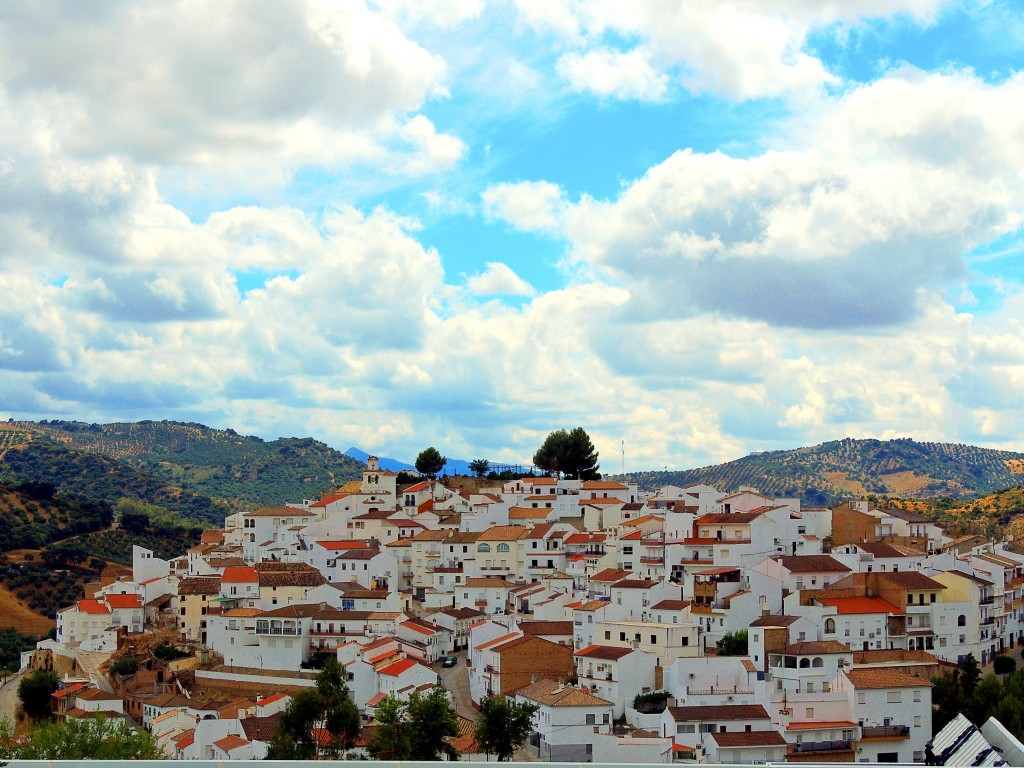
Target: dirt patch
pixel 841 480
pixel 904 483
pixel 14 613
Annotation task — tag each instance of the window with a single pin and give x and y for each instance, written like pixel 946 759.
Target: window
pixel 917 695
pixel 893 697
pixel 483 548
pixel 503 548
pixel 591 719
pixel 830 626
pixel 961 620
pixel 607 634
pixel 862 698
pixel 809 712
pixel 917 721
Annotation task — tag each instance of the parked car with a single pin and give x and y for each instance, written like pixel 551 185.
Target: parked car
pixel 449 661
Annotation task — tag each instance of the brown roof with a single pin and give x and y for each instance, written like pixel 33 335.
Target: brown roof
pixel 884 678
pixel 886 656
pixel 604 652
pixel 546 627
pixel 611 574
pixel 748 739
pixel 464 613
pixel 635 584
pixel 911 580
pixel 717 713
pixel 885 549
pixel 488 581
pixel 777 620
pixel 259 728
pixel 554 694
pixel 503 533
pixel 199 585
pixel 291 579
pixel 671 605
pixel 815 647
pixel 812 564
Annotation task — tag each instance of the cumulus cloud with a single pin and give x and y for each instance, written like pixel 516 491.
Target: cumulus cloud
pixel 531 206
pixel 736 48
pixel 176 83
pixel 850 232
pixel 624 75
pixel 499 280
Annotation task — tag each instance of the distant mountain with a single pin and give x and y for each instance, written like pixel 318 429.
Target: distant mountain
pixel 453 467
pixel 840 469
pixel 197 471
pixel 393 464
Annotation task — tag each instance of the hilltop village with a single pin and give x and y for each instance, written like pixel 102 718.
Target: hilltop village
pixel 601 605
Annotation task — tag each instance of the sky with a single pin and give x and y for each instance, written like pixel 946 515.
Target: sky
pixel 698 230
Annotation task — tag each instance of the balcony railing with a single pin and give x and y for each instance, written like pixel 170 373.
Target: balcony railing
pixel 839 745
pixel 986 600
pixel 885 731
pixel 277 631
pixel 988 620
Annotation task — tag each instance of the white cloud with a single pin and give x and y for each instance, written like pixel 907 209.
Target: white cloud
pixel 624 75
pixel 184 84
pixel 528 205
pixel 740 49
pixel 499 280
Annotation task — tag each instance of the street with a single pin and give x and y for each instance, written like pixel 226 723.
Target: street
pixel 9 697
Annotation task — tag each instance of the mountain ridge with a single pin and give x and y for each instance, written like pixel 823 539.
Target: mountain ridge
pixel 831 471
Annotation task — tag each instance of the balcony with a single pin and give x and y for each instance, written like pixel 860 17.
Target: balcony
pixel 885 731
pixel 278 631
pixel 840 745
pixel 988 620
pixel 986 600
pixel 652 560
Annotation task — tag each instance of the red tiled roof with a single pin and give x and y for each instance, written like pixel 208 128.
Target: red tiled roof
pixel 94 607
pixel 123 601
pixel 236 574
pixel 231 742
pixel 848 605
pixel 398 667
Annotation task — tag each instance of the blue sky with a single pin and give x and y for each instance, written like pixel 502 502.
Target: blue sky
pixel 701 229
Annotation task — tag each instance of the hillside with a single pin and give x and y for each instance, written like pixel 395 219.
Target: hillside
pixel 836 470
pixel 196 471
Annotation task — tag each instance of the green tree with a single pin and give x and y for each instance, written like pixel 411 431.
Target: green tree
pixel 93 739
pixel 417 729
pixel 479 467
pixel 733 644
pixel 430 462
pixel 570 454
pixel 319 722
pixel 432 721
pixel 1004 665
pixel 970 674
pixel 390 739
pixel 502 726
pixel 35 691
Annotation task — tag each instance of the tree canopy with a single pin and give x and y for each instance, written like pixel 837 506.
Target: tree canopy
pixel 570 454
pixel 502 726
pixel 34 692
pixel 319 722
pixel 416 729
pixel 479 467
pixel 92 739
pixel 733 644
pixel 430 462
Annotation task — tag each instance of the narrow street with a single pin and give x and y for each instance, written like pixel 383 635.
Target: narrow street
pixel 456 680
pixel 9 697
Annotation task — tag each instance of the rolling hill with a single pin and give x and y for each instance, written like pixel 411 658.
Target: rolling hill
pixel 840 469
pixel 190 469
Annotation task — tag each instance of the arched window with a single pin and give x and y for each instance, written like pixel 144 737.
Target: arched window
pixel 804 663
pixel 961 620
pixel 817 661
pixel 503 548
pixel 830 626
pixel 483 548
